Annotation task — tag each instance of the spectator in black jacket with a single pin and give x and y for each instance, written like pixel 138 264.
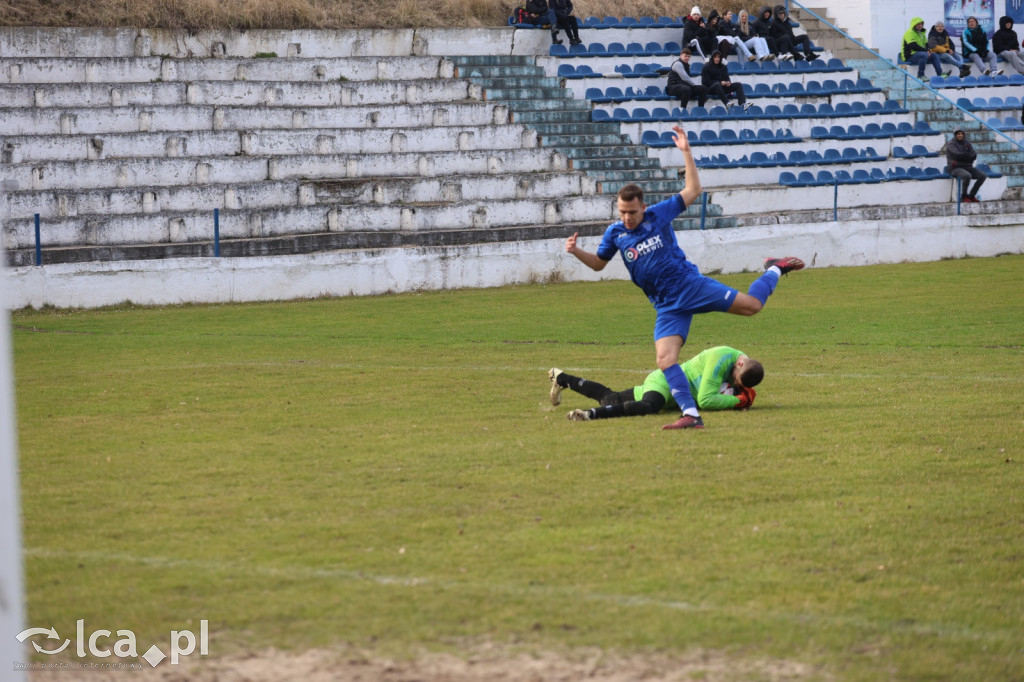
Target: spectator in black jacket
pixel 715 77
pixel 695 34
pixel 566 21
pixel 763 27
pixel 785 36
pixel 681 84
pixel 1006 44
pixel 541 15
pixel 960 156
pixel 726 34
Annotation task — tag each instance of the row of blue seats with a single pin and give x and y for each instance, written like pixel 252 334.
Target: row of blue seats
pixel 871 131
pixel 615 22
pixel 794 158
pixel 1010 123
pixel 859 176
pixel 795 89
pixel 989 104
pixel 627 22
pixel 975 81
pixel 719 112
pixel 653 138
pixel 671 49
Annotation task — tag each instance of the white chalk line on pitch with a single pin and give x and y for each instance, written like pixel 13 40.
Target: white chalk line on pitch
pixel 882 376
pixel 632 601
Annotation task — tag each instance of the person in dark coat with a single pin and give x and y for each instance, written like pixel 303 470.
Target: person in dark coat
pixel 1006 44
pixel 789 41
pixel 541 15
pixel 681 84
pixel 763 27
pixel 715 77
pixel 974 44
pixel 566 21
pixel 694 29
pixel 960 156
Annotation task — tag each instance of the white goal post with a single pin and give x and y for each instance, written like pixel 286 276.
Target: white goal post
pixel 12 617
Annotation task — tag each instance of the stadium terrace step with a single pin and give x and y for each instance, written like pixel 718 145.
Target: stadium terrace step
pixel 132 119
pixel 58 70
pixel 583 140
pixel 542 105
pixel 186 226
pixel 224 170
pixel 618 163
pixel 530 81
pixel 238 93
pixel 550 96
pixel 305 243
pixel 583 128
pixel 263 195
pixel 461 61
pixel 266 143
pixel 617 151
pixel 479 72
pixel 531 118
pixel 880 213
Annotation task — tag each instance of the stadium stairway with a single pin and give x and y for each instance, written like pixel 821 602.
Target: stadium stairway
pixel 126 158
pixel 993 149
pixel 564 123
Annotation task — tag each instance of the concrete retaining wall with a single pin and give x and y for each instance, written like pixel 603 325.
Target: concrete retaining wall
pixel 188 280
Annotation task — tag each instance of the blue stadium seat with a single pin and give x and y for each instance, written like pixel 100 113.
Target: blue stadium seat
pixel 995 123
pixel 814 88
pixel 634 50
pixel 824 177
pixel 558 51
pixel 797 157
pixel 915 173
pixel 897 173
pixel 874 107
pixel 669 22
pixel 805 178
pixel 651 138
pixel 938 82
pixel 616 50
pixel 874 130
pixel 773 111
pixel 567 71
pixel 984 80
pixel 843 177
pixel 1016 79
pixel 858 108
pixel 754 111
pixel 877 174
pixel 865 85
pixel 646 22
pixel 790 111
pixel 869 154
pixel 932 173
pixel 655 92
pixel 851 154
pixel 922 128
pixel 968 81
pixel 628 22
pixel 661 114
pixel 597 50
pixel 579 51
pixel 708 137
pixel 699 113
pixel 844 109
pixel 795 88
pixel 808 110
pixel 747 135
pixel 591 22
pixel 622 115
pixel 760 159
pixel 718 111
pixel 818 65
pixel 1013 103
pixel 984 168
pixel 855 131
pixel 922 151
pixel 614 94
pixel 830 86
pixel 966 104
pixel 610 22
pixel 891 106
pixel 995 103
pixel 641 114
pixel 636 94
pixel 751 67
pixel 1012 123
pixel 832 156
pixel 861 175
pixel 761 89
pixel 728 136
pixel 953 82
pixel 825 109
pixel 595 95
pixel 787 178
pixel 812 158
pixel 765 135
pixel 655 50
pixel 836 64
pixel 769 67
pixel 598 115
pixel 673 48
pixel 819 132
pixel 890 129
pixel 901 153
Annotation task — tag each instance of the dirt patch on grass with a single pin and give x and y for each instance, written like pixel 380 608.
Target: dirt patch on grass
pixel 490 664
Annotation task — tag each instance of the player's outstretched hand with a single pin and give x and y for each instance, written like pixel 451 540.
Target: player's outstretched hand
pixel 570 243
pixel 682 142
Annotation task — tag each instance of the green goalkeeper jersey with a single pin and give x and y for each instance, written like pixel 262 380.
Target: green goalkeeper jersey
pixel 709 373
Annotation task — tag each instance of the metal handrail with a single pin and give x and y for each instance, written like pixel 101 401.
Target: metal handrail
pixel 906 74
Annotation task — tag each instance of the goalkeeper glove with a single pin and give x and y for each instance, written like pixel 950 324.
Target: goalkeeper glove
pixel 746 396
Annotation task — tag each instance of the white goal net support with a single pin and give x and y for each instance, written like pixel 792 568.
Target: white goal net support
pixel 12 617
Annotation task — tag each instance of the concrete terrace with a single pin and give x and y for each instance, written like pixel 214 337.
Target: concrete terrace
pixel 356 162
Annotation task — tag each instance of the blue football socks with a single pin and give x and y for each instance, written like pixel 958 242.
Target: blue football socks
pixel 763 286
pixel 680 387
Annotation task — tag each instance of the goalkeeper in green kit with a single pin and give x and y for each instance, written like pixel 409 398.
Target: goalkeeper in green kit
pixel 720 378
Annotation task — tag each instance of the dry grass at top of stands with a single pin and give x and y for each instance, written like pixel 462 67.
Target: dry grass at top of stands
pixel 301 14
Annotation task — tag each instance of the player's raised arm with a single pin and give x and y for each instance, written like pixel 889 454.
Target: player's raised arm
pixel 591 260
pixel 692 189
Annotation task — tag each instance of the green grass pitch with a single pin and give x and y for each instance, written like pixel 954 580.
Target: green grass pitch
pixel 388 472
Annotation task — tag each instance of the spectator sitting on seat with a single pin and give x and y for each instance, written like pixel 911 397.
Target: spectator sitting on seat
pixel 542 15
pixel 681 84
pixel 960 156
pixel 764 28
pixel 915 49
pixel 566 21
pixel 939 43
pixel 695 34
pixel 725 32
pixel 974 44
pixel 1006 44
pixel 784 35
pixel 745 32
pixel 715 77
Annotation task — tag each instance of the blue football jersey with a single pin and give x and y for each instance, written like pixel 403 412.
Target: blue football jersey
pixel 652 255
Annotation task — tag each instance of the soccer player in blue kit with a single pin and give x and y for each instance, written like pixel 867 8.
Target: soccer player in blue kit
pixel 674 285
